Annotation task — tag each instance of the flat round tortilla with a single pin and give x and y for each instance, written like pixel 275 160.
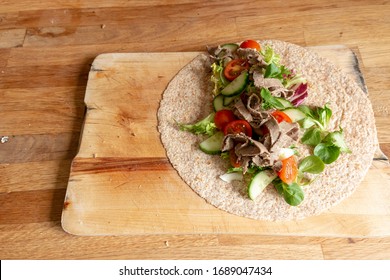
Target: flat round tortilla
pixel 187 99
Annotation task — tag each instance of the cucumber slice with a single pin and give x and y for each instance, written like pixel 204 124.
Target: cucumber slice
pixel 213 144
pixel 230 46
pixel 294 114
pixel 229 99
pixel 237 85
pixel 218 103
pixel 259 182
pixel 285 102
pixel 230 177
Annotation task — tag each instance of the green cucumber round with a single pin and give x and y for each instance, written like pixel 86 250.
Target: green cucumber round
pixel 230 46
pixel 237 85
pixel 285 102
pixel 227 100
pixel 219 103
pixel 259 182
pixel 213 144
pixel 294 114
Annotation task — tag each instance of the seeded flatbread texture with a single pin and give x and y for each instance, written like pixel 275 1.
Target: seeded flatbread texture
pixel 187 99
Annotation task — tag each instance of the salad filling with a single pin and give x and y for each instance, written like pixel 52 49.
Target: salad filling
pixel 259 119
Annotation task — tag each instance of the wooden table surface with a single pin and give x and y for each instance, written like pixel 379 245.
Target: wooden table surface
pixel 46 49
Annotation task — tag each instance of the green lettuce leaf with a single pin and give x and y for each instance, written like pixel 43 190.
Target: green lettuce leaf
pixel 205 126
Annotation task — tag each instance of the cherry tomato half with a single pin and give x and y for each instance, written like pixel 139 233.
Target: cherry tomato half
pixel 289 170
pixel 234 158
pixel 250 44
pixel 238 126
pixel 223 117
pixel 234 68
pixel 280 116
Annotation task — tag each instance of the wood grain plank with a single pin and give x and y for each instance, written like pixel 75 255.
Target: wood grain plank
pixel 378 80
pixel 33 13
pixel 31 5
pixel 66 75
pixel 85 54
pixel 53 121
pixel 31 206
pixel 46 240
pixel 253 27
pixel 37 110
pixel 39 147
pixel 374 54
pixel 8 20
pixel 39 175
pixel 157 28
pixel 67 246
pixel 65 55
pixel 352 29
pixel 253 239
pixel 357 251
pixel 10 38
pixel 262 252
pixel 313 26
pixel 19 99
pixel 4 55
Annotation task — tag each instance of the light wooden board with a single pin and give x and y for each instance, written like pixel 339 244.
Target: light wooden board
pixel 122 183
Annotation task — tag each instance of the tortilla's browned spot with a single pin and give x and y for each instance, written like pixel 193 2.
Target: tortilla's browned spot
pixel 187 98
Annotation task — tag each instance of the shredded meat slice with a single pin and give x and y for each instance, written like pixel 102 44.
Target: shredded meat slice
pixel 273 129
pixel 259 117
pixel 220 53
pixel 274 85
pixel 252 55
pixel 242 112
pixel 288 135
pixel 261 82
pixel 290 129
pixel 247 150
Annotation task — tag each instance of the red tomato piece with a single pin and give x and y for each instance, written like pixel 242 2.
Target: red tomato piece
pixel 280 116
pixel 250 44
pixel 234 68
pixel 223 117
pixel 289 170
pixel 234 158
pixel 238 126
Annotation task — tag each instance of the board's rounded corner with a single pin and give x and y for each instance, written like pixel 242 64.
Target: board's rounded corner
pixel 65 226
pixel 102 59
pixel 68 227
pixel 101 56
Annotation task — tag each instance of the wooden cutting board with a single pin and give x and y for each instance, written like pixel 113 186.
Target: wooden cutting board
pixel 122 183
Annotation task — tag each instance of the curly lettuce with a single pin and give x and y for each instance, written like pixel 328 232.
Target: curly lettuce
pixel 217 79
pixel 270 56
pixel 205 126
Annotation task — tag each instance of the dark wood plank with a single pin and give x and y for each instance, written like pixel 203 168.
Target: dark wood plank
pixel 34 175
pixel 39 147
pixel 65 75
pixel 31 206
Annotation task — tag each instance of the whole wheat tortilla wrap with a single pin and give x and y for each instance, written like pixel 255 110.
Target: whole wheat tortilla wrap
pixel 187 99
